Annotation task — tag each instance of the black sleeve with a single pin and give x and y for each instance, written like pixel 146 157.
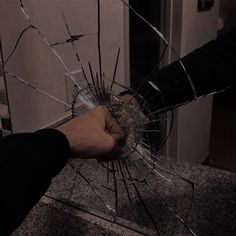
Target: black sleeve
pixel 210 67
pixel 29 161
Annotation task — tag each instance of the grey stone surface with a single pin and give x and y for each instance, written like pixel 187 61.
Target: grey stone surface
pixel 54 219
pixel 210 209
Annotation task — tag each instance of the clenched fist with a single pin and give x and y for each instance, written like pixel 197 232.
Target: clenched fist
pixel 94 134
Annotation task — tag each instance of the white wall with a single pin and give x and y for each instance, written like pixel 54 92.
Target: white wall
pixel 191 136
pixel 34 61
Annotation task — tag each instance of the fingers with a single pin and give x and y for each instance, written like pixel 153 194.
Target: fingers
pixel 113 154
pixel 113 127
pixel 94 134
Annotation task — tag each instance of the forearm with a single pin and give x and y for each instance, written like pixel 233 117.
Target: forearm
pixel 211 69
pixel 28 163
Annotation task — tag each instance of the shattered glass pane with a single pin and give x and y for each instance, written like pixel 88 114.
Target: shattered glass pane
pixel 139 187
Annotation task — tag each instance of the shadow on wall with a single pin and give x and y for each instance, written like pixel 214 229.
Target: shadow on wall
pixel 227 14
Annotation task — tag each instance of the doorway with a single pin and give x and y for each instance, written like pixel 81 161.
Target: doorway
pixel 144 43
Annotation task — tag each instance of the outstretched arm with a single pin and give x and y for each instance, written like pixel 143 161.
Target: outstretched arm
pixel 29 161
pixel 210 67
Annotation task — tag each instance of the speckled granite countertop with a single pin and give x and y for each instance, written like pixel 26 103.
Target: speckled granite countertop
pixel 209 208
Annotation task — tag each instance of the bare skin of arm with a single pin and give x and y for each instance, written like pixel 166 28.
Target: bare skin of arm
pixel 94 134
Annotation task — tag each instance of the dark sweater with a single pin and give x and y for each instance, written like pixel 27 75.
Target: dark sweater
pixel 211 69
pixel 29 161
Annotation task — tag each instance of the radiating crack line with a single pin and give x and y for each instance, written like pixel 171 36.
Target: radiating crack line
pixel 142 201
pixel 82 97
pixel 99 39
pixel 168 43
pixel 172 210
pixel 36 89
pixel 96 192
pixel 124 180
pixel 152 168
pixel 115 188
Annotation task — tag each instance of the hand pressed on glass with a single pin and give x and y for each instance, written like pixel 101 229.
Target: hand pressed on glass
pixel 94 134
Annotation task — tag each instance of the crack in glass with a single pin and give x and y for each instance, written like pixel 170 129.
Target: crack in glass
pixel 123 183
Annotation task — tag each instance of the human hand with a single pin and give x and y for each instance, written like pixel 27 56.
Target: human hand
pixel 131 100
pixel 94 134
